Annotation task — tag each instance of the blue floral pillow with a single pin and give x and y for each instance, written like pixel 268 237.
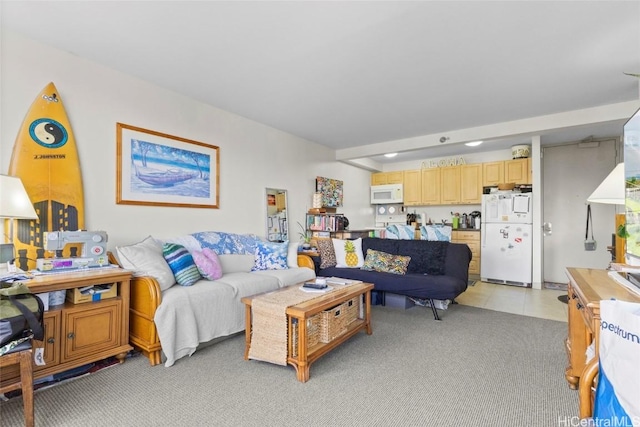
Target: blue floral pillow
pixel 181 263
pixel 271 256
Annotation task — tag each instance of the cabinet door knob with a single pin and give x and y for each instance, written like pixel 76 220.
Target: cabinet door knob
pixel 579 306
pixel 51 340
pixel 70 335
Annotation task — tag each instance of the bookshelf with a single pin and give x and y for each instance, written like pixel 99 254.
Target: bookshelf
pixel 324 224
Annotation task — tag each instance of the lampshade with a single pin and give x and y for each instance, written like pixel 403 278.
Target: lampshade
pixel 611 190
pixel 14 200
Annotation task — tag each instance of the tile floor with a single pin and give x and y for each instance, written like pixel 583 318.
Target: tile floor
pixel 513 299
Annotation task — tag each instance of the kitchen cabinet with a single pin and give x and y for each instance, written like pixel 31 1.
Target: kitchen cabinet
pixel 412 188
pixel 471 184
pixel 382 178
pixel 450 185
pixel 518 171
pixel 492 173
pixel 79 334
pixel 472 239
pixel 430 194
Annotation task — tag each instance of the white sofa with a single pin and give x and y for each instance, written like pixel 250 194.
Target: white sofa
pixel 170 319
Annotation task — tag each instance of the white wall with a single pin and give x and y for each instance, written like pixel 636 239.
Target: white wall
pixel 252 156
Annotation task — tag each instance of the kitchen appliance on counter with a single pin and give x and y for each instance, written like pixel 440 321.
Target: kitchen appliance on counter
pixel 386 194
pixel 506 238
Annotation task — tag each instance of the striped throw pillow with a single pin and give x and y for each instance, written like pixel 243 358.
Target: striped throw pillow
pixel 181 263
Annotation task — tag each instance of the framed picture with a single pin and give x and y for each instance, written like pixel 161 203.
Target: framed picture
pixel 156 169
pixel 331 190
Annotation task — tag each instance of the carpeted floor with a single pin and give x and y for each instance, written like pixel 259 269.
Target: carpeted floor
pixel 475 368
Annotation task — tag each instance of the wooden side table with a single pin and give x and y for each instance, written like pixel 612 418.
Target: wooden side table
pixel 587 287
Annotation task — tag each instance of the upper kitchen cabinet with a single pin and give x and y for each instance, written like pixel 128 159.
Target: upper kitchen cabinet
pixel 412 187
pixel 518 171
pixel 431 186
pixel 492 173
pixel 383 178
pixel 450 185
pixel 471 184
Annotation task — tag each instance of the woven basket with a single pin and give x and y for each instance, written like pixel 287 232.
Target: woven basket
pixel 352 310
pixel 313 334
pixel 333 323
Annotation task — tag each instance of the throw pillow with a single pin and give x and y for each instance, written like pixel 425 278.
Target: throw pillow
pixel 208 264
pixel 384 262
pixel 181 263
pixel 327 254
pixel 348 253
pixel 145 259
pixel 271 256
pixel 292 255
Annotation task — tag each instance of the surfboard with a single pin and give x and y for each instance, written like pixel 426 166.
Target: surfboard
pixel 45 157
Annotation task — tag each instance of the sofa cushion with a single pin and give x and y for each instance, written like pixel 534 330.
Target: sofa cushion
pixel 292 255
pixel 348 253
pixel 227 243
pixel 246 284
pixel 236 263
pixel 427 257
pixel 208 264
pixel 382 261
pixel 290 276
pixel 412 285
pixel 181 263
pixel 382 245
pixel 145 259
pixel 327 253
pixel 271 256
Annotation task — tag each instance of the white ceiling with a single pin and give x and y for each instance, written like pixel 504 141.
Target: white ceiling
pixel 369 77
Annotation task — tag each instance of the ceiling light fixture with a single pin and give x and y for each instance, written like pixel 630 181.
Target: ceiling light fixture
pixel 473 143
pixel 390 155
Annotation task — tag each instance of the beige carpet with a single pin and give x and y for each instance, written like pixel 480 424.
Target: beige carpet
pixel 475 368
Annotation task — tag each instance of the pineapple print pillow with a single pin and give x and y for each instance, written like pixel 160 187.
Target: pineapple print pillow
pixel 348 253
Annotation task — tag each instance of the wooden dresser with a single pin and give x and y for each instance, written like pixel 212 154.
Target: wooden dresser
pixel 78 334
pixel 587 287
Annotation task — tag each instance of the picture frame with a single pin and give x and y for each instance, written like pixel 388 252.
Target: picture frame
pixel 157 169
pixel 331 190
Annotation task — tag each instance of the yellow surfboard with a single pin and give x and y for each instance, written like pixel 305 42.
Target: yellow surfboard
pixel 45 157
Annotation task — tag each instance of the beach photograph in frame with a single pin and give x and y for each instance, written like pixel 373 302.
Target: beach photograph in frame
pixel 156 169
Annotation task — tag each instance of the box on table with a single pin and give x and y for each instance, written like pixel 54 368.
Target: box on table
pixel 44 297
pixel 92 293
pixel 397 301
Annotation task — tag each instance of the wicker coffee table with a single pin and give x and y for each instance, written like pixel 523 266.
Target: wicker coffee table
pixel 319 325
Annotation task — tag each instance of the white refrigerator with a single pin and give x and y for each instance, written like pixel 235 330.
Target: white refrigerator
pixel 506 238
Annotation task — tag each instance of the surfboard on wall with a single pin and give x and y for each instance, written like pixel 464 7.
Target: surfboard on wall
pixel 45 157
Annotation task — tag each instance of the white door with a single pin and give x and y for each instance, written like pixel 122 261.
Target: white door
pixel 570 174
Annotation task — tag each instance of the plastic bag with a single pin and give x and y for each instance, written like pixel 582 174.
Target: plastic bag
pixel 617 400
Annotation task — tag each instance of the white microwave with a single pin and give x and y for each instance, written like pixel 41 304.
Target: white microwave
pixel 386 194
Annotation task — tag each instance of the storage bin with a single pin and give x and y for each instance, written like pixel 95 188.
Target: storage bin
pixel 313 333
pixel 333 323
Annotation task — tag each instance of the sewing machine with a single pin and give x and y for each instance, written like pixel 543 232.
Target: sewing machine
pixel 94 250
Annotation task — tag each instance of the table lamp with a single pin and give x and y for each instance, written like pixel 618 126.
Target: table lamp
pixel 14 204
pixel 611 191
